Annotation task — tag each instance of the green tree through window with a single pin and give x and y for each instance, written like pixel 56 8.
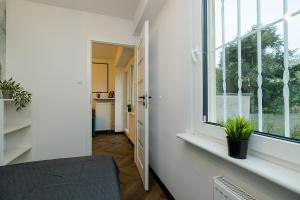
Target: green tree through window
pixel 272 72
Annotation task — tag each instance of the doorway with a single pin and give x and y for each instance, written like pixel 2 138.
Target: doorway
pixel 120 99
pixel 112 71
pixel 113 94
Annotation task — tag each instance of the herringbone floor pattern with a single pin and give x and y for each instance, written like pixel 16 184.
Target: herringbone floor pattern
pixel 118 146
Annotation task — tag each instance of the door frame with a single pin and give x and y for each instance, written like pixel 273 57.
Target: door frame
pixel 88 139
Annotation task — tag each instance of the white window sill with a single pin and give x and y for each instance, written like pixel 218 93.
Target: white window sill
pixel 283 176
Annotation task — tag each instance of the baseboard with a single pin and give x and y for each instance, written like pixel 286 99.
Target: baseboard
pixel 130 142
pixel 120 132
pixel 161 184
pixel 109 132
pixel 126 130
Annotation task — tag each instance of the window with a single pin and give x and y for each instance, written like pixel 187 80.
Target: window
pixel 252 68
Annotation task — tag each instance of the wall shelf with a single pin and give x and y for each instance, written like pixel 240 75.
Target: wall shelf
pixel 16 127
pixel 7 100
pixel 10 154
pixel 15 148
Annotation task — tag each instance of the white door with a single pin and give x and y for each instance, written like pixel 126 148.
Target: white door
pixel 142 140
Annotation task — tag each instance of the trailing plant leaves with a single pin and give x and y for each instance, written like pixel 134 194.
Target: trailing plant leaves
pixel 238 128
pixel 21 97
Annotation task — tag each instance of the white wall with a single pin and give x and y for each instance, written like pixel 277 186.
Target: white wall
pixel 111 72
pixel 186 170
pixel 47 50
pixel 119 102
pixel 2 38
pixel 146 10
pixel 120 95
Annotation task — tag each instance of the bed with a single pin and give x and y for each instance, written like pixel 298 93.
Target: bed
pixel 82 178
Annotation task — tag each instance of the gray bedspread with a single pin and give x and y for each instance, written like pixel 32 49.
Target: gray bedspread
pixel 83 178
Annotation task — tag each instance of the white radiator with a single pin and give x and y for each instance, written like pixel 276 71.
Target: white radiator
pixel 224 190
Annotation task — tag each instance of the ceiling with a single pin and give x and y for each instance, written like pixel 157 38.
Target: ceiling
pixel 127 54
pixel 109 52
pixel 116 8
pixel 104 51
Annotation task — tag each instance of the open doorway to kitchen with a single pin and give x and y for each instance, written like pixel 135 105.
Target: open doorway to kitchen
pixel 113 89
pixel 113 104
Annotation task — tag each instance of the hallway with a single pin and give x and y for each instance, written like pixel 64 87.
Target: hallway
pixel 118 146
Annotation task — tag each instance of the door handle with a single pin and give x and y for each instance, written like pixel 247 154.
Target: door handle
pixel 143 97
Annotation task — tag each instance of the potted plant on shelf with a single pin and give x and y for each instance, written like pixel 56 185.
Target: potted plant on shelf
pixel 12 90
pixel 129 107
pixel 238 132
pixel 8 87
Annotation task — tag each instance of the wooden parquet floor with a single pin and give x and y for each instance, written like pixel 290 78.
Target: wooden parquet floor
pixel 118 146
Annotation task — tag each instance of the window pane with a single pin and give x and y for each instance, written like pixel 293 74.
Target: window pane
pixel 249 78
pixel 232 80
pixel 248 15
pixel 270 15
pixel 272 50
pixel 231 84
pixel 230 11
pixel 218 23
pixel 272 86
pixel 294 83
pixel 293 6
pixel 216 114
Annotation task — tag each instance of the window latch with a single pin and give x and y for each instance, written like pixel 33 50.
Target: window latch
pixel 196 55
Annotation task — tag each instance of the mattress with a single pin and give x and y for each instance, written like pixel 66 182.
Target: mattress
pixel 82 178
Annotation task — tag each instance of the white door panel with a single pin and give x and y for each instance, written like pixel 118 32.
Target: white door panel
pixel 140 89
pixel 142 140
pixel 141 72
pixel 141 156
pixel 142 135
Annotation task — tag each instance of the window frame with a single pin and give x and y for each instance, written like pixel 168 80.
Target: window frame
pixel 273 149
pixel 237 39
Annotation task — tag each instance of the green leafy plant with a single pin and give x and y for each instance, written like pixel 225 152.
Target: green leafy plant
pixel 238 128
pixel 9 85
pixel 20 96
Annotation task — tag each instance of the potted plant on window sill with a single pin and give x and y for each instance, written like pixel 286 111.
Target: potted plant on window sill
pixel 238 132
